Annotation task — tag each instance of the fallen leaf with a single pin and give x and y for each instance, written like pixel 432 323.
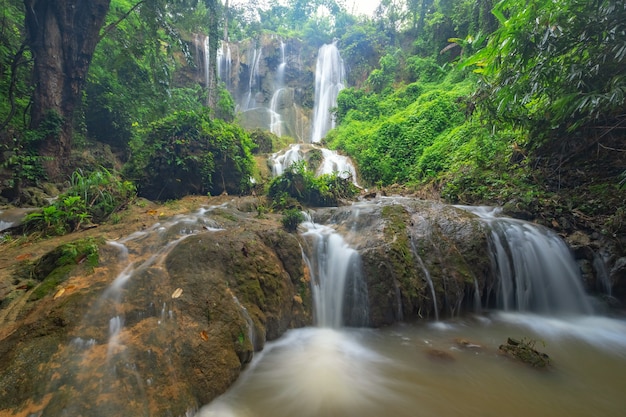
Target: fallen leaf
pixel 177 293
pixel 204 335
pixel 152 212
pixel 59 293
pixel 23 256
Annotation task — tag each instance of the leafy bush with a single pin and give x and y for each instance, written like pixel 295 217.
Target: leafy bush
pixel 189 153
pixel 291 219
pixel 300 184
pixel 90 198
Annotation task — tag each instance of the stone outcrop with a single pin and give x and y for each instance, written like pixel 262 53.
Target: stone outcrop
pixel 413 248
pixel 158 330
pixel 169 323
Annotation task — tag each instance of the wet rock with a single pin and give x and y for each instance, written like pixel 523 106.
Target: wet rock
pixel 524 351
pixel 437 355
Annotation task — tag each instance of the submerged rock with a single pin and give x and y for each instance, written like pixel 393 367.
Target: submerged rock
pixel 524 350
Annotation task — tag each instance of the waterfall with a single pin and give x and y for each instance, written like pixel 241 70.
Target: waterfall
pixel 253 82
pixel 339 292
pixel 276 121
pixel 332 162
pixel 224 64
pixel 536 270
pixel 282 160
pixel 329 80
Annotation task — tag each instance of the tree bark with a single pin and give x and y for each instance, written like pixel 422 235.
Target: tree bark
pixel 213 9
pixel 62 35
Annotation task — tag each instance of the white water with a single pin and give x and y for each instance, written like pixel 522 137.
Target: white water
pixel 335 269
pixel 424 370
pixel 224 64
pixel 332 162
pixel 329 80
pixel 276 120
pixel 285 158
pixel 448 368
pixel 537 271
pixel 249 101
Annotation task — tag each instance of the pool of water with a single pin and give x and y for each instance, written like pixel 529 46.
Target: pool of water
pixel 451 368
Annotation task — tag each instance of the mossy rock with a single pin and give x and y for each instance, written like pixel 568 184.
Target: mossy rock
pixel 524 350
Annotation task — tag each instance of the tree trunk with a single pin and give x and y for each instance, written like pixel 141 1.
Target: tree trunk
pixel 226 13
pixel 214 39
pixel 62 35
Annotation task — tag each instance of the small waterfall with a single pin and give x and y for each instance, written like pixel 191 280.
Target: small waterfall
pixel 333 162
pixel 280 71
pixel 329 80
pixel 339 292
pixel 429 280
pixel 282 160
pixel 254 82
pixel 276 120
pixel 224 64
pixel 536 270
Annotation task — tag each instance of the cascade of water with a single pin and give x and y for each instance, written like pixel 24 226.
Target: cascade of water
pixel 332 162
pixel 536 269
pixel 329 80
pixel 276 120
pixel 206 62
pixel 224 64
pixel 429 280
pixel 282 160
pixel 253 82
pixel 280 71
pixel 339 291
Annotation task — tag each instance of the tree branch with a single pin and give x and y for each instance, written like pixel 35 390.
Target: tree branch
pixel 113 25
pixel 17 59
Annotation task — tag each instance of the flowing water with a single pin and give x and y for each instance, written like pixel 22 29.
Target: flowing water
pixel 329 80
pixel 446 368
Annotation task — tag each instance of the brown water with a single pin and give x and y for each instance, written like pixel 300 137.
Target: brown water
pixel 425 370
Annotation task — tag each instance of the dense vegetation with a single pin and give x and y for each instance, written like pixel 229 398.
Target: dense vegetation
pixel 478 101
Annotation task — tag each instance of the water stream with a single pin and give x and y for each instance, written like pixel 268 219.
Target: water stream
pixel 446 368
pixel 329 80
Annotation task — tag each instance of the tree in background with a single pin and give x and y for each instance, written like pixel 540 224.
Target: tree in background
pixel 556 66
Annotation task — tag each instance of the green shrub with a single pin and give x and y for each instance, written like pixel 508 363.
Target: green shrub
pixel 90 198
pixel 291 219
pixel 189 153
pixel 299 184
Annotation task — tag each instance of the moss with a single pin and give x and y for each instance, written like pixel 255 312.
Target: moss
pixel 401 255
pixel 56 266
pixel 524 350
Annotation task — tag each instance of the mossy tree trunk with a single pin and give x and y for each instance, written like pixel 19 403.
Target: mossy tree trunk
pixel 62 35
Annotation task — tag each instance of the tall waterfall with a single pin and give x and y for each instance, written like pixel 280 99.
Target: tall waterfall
pixel 536 270
pixel 329 80
pixel 339 292
pixel 224 64
pixel 249 100
pixel 276 121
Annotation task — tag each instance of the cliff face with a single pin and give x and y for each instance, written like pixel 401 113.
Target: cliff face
pixel 272 82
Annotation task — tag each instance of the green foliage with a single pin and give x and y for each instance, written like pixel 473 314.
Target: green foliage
pixel 555 64
pixel 189 153
pixel 90 198
pixel 389 149
pixel 15 66
pixel 300 184
pixel 291 219
pixel 424 69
